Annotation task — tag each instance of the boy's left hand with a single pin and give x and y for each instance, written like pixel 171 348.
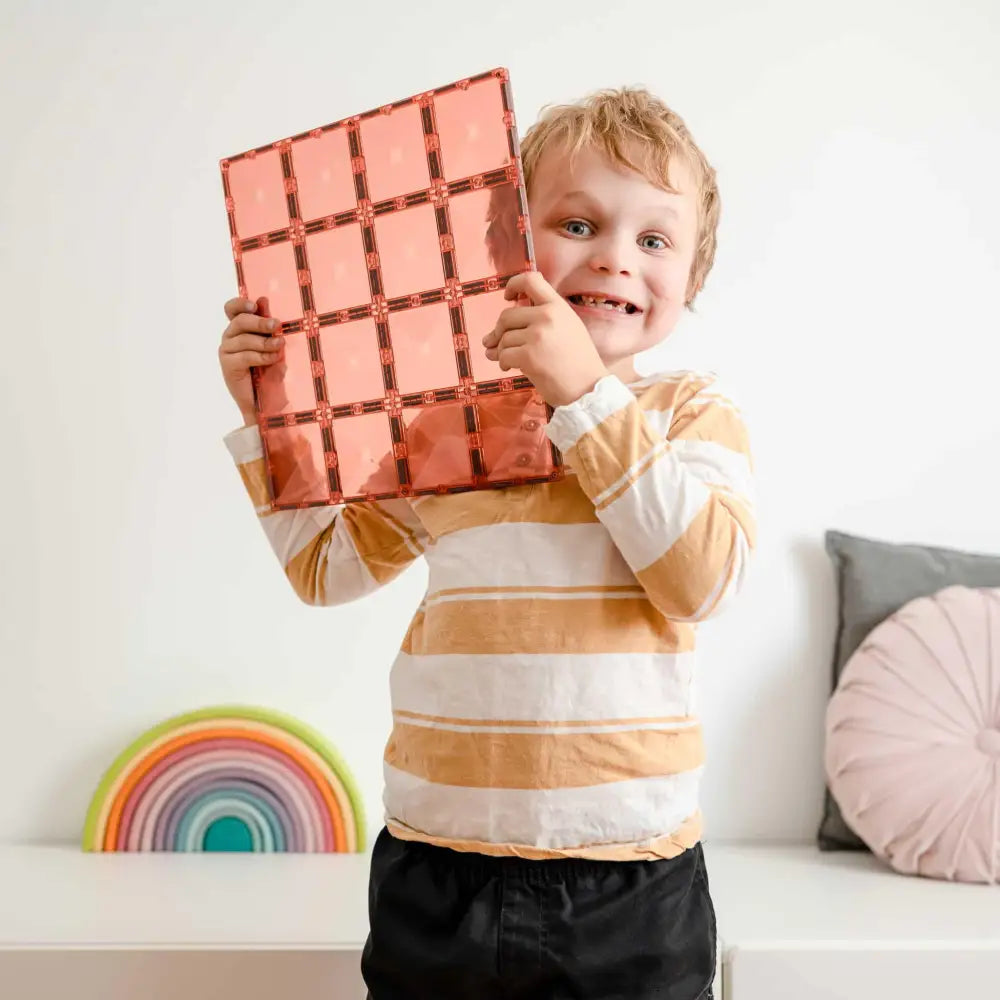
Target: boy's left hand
pixel 546 340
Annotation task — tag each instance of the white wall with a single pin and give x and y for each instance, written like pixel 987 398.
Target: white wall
pixel 853 310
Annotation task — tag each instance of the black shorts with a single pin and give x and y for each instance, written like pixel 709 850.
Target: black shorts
pixel 446 925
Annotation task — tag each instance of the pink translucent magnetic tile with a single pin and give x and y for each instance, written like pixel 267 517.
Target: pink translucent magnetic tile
pixel 287 385
pixel 409 251
pixel 481 313
pixel 437 444
pixel 337 261
pixel 297 464
pixel 351 362
pixel 515 444
pixel 394 153
pixel 365 235
pixel 480 250
pixel 423 349
pixel 257 190
pixel 323 175
pixel 271 272
pixel 365 455
pixel 468 144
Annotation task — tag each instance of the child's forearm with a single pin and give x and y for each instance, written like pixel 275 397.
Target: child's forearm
pixel 331 555
pixel 672 485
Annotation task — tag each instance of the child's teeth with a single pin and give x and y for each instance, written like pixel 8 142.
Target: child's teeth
pixel 595 302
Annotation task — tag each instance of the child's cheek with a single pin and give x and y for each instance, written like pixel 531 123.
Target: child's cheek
pixel 547 261
pixel 667 285
pixel 665 303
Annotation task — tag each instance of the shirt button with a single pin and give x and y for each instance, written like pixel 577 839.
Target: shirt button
pixel 523 460
pixel 531 425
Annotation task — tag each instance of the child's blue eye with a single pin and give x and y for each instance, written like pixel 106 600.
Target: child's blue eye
pixel 658 242
pixel 574 227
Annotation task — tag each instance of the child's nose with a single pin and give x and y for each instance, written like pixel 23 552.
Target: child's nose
pixel 611 258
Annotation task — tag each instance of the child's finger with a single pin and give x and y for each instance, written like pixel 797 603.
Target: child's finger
pixel 253 342
pixel 236 306
pixel 513 318
pixel 510 339
pixel 255 359
pixel 250 323
pixel 532 285
pixel 511 357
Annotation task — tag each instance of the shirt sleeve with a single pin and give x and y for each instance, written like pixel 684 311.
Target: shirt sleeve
pixel 670 477
pixel 334 554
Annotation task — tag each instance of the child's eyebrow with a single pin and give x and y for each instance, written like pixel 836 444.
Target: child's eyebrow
pixel 659 208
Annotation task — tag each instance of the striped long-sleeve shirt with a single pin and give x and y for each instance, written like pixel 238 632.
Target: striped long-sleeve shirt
pixel 544 698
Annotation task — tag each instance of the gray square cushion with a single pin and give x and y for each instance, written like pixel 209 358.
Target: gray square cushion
pixel 875 579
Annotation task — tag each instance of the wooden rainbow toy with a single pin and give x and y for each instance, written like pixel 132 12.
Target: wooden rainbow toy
pixel 228 778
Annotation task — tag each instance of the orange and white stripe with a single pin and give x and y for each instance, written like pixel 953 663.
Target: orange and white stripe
pixel 640 819
pixel 586 686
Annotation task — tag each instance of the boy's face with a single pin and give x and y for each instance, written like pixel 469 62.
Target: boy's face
pixel 603 230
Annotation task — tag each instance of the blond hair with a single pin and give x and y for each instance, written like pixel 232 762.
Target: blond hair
pixel 635 129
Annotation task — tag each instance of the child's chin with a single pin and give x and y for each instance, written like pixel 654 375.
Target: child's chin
pixel 615 344
pixel 613 331
pixel 612 349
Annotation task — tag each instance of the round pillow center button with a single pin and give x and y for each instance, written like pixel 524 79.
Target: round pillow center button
pixel 988 741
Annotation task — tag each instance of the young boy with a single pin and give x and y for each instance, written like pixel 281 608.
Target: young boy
pixel 542 832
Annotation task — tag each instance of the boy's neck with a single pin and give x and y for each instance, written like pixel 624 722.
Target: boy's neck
pixel 625 370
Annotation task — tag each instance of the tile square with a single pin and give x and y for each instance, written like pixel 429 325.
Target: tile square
pixel 258 191
pixel 438 446
pixel 423 349
pixel 394 152
pixel 472 131
pixel 286 386
pixel 270 271
pixel 351 362
pixel 297 465
pixel 365 455
pixel 337 265
pixel 323 173
pixel 487 241
pixel 481 314
pixel 515 444
pixel 409 251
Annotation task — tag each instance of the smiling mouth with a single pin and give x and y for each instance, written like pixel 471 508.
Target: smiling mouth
pixel 605 302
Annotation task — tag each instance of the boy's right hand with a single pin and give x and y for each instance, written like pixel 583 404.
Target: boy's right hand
pixel 247 343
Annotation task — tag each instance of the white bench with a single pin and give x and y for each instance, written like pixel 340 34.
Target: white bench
pixel 799 924
pixel 794 923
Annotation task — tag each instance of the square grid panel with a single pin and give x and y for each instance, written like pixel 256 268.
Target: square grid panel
pixel 382 243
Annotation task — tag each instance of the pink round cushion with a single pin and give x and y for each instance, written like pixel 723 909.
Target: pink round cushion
pixel 913 737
